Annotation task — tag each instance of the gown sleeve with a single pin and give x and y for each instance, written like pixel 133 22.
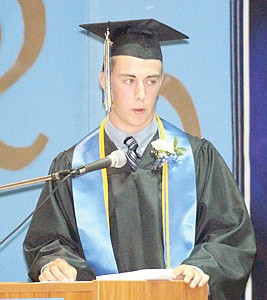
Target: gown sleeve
pixel 224 244
pixel 53 232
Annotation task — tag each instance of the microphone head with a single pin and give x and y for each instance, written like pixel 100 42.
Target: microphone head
pixel 118 159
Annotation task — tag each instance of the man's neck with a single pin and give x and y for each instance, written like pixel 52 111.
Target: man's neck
pixel 142 136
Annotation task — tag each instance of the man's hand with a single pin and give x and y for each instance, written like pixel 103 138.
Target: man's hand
pixel 190 275
pixel 58 270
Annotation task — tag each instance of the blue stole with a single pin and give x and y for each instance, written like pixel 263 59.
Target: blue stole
pixel 91 213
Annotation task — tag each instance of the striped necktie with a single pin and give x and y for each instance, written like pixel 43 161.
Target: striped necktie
pixel 132 157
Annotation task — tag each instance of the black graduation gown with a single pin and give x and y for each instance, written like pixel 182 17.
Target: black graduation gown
pixel 224 243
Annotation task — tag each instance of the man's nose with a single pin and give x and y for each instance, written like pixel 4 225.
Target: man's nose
pixel 140 92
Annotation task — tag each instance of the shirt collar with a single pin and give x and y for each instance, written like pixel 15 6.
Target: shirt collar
pixel 142 137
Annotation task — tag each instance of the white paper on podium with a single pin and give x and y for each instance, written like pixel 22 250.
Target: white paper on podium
pixel 146 274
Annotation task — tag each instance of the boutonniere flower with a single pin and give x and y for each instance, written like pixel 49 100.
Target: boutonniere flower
pixel 166 152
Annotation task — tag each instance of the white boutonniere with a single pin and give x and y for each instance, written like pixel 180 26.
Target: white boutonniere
pixel 166 152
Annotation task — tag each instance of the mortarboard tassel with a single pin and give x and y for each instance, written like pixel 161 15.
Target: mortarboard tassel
pixel 107 71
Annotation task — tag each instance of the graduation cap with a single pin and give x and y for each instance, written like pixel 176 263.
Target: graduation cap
pixel 137 38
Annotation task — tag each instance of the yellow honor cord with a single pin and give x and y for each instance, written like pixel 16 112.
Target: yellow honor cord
pixel 165 199
pixel 104 171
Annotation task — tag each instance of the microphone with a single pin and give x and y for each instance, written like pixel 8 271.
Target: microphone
pixel 116 159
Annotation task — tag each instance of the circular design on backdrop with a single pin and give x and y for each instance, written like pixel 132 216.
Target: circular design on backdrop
pixel 177 95
pixel 33 12
pixel 15 158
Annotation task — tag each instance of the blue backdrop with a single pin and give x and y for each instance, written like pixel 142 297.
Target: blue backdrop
pixel 50 95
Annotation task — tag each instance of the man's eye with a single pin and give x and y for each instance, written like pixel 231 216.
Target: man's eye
pixel 151 82
pixel 129 81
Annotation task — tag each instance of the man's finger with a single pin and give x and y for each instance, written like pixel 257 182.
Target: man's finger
pixel 47 275
pixel 205 278
pixel 193 277
pixel 58 270
pixel 68 271
pixel 178 272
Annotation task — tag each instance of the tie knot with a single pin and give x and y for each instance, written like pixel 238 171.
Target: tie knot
pixel 131 155
pixel 131 143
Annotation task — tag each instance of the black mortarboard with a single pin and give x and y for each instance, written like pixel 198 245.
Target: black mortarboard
pixel 138 38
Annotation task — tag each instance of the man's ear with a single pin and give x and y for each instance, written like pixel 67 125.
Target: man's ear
pixel 162 78
pixel 102 79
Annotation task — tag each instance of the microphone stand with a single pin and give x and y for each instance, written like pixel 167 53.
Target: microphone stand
pixel 116 159
pixel 54 176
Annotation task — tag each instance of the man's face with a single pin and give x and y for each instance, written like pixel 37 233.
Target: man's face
pixel 135 88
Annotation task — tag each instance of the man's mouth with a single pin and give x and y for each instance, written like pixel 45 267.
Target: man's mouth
pixel 138 110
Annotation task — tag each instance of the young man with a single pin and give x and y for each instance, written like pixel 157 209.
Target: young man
pixel 186 214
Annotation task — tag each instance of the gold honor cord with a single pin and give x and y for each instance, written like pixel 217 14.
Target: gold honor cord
pixel 165 191
pixel 165 199
pixel 104 171
pixel 107 73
